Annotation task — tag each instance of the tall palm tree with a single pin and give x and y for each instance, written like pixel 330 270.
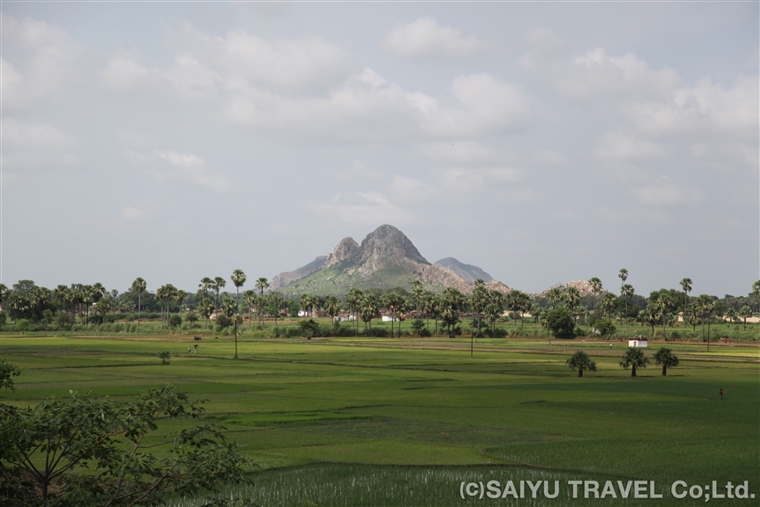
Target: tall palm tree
pixel 665 358
pixel 368 309
pixel 206 309
pixel 238 278
pixel 392 300
pixel 581 361
pixel 555 296
pixel 60 293
pixel 623 275
pixel 705 305
pixel 250 298
pixel 634 358
pixel 626 291
pixel 229 309
pixel 686 285
pixel 354 298
pixel 417 292
pixel 219 284
pixel 261 284
pixel 756 291
pixel 596 288
pixel 573 298
pixel 479 299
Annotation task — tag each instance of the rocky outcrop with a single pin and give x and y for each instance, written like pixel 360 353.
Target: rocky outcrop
pixel 583 286
pixel 347 250
pixel 497 285
pixel 468 272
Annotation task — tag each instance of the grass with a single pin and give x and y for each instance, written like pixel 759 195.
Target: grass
pixel 372 421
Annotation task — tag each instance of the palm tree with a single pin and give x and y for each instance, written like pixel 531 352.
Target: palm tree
pixel 218 285
pixel 417 293
pixel 596 288
pixel 229 308
pixel 756 291
pixel 392 300
pixel 206 309
pixel 354 298
pixel 261 284
pixel 634 358
pixel 626 291
pixel 662 311
pixel 479 299
pixel 686 285
pixel 368 309
pixel 705 305
pixel 745 313
pixel 555 295
pixel 250 298
pixel 332 305
pixel 581 361
pixel 573 298
pixel 665 358
pixel 238 278
pixel 607 304
pixel 623 275
pixel 139 286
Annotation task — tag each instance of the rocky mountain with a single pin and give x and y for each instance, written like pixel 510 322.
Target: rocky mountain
pixel 287 277
pixel 386 259
pixel 583 286
pixel 468 272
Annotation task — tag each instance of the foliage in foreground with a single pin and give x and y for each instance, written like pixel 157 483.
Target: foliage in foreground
pixel 93 451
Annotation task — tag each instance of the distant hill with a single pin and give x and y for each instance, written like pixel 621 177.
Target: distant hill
pixel 583 286
pixel 287 277
pixel 468 272
pixel 385 259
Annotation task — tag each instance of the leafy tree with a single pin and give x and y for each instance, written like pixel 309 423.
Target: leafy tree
pixel 581 361
pixel 392 300
pixel 665 358
pixel 368 309
pixel 417 293
pixel 175 321
pixel 634 357
pixel 418 325
pixel 745 313
pixel 596 288
pixel 452 303
pixel 572 298
pixel 605 327
pixel 607 304
pixel 559 323
pixel 165 356
pixel 7 372
pixel 705 305
pixel 44 444
pixel 251 299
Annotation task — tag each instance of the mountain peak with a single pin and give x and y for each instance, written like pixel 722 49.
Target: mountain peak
pixel 467 271
pixel 386 243
pixel 347 249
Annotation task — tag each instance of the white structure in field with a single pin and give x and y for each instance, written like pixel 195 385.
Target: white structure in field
pixel 639 341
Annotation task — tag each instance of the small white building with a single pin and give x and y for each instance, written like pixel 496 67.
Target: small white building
pixel 389 318
pixel 639 342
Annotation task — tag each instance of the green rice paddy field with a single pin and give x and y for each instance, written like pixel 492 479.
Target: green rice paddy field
pixel 387 422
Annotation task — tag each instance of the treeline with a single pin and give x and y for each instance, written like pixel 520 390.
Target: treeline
pixel 560 310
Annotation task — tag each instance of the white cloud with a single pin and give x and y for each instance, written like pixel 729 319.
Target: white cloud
pixel 704 109
pixel 726 157
pixel 167 165
pixel 468 180
pixel 622 147
pixel 361 208
pixel 542 44
pixel 596 73
pixel 130 213
pixel 548 157
pixel 457 152
pixel 425 38
pixel 126 73
pixel 48 60
pixel 666 193
pixel 636 215
pixel 405 189
pixel 37 145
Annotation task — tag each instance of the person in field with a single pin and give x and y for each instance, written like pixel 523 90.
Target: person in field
pixel 721 394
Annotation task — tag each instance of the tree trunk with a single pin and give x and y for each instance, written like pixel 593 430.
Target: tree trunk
pixel 664 371
pixel 580 371
pixel 633 371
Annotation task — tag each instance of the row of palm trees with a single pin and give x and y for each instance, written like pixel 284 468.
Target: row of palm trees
pixel 633 358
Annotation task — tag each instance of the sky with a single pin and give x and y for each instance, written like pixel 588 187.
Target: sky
pixel 542 142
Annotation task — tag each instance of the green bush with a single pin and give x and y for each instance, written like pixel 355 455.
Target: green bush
pixel 22 325
pixel 175 321
pixel 223 322
pixel 559 323
pixel 605 327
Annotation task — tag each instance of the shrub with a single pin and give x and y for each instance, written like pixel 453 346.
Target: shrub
pixel 309 328
pixel 497 332
pixel 165 356
pixel 559 323
pixel 131 317
pixel 605 327
pixel 22 325
pixel 175 320
pixel 223 322
pixel 418 326
pixel 63 321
